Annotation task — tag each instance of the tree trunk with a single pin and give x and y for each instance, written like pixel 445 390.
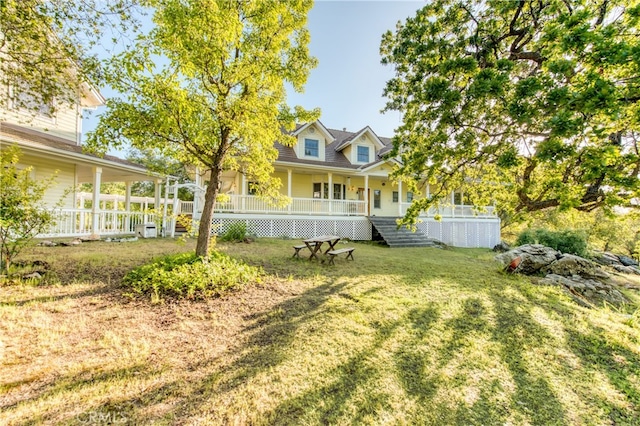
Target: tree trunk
pixel 204 229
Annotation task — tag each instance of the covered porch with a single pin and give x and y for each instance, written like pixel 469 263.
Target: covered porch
pixel 315 192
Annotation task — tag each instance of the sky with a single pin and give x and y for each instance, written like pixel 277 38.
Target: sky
pixel 348 83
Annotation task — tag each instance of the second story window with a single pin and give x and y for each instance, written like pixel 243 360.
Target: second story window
pixel 311 148
pixel 363 154
pixel 22 100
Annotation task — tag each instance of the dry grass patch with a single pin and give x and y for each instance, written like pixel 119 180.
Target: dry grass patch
pixel 403 336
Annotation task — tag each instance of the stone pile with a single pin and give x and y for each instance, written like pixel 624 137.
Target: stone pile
pixel 584 280
pixel 618 262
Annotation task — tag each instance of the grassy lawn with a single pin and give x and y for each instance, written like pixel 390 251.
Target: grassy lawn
pixel 400 336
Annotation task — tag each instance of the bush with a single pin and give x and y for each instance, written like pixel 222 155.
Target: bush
pixel 190 276
pixel 236 231
pixel 567 241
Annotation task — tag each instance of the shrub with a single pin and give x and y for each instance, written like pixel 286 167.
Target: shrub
pixel 567 241
pixel 190 276
pixel 236 231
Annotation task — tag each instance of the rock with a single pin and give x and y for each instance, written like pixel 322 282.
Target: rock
pixel 627 261
pixel 592 290
pixel 627 269
pixel 606 259
pixel 569 265
pixel 33 275
pixel 534 257
pixel 501 247
pixel 92 237
pixel 47 243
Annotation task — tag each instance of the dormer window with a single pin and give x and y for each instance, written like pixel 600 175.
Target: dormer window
pixel 363 154
pixel 311 148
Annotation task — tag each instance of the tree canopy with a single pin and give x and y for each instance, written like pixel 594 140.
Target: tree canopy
pixel 207 86
pixel 48 48
pixel 533 104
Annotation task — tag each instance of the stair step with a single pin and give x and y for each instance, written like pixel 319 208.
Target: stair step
pixel 393 236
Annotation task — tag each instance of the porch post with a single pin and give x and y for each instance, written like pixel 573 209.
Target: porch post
pixel 244 192
pixel 127 206
pixel 366 195
pixel 156 201
pixel 330 192
pixel 400 197
pixel 165 207
pixel 95 203
pixel 289 189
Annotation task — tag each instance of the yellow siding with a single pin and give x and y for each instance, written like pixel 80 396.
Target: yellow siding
pixel 63 125
pixel 312 132
pixel 64 185
pixel 362 141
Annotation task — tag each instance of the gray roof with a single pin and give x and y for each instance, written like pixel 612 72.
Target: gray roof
pixel 58 143
pixel 333 156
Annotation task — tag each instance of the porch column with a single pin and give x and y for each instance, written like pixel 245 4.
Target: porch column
pixel 95 203
pixel 156 201
pixel 244 192
pixel 289 189
pixel 400 197
pixel 330 192
pixel 366 195
pixel 165 207
pixel 127 206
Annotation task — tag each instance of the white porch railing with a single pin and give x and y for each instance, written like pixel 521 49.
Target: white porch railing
pixel 299 206
pixel 75 222
pixel 461 211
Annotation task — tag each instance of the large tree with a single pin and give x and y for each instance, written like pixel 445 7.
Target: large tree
pixel 207 86
pixel 533 103
pixel 48 48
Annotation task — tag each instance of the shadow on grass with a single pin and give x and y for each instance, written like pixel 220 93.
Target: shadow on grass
pixel 416 348
pixel 619 364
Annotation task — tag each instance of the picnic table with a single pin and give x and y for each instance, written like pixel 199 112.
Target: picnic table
pixel 315 244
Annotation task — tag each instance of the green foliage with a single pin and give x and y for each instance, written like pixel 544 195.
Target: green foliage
pixel 236 231
pixel 23 214
pixel 213 96
pixel 41 40
pixel 607 232
pixel 186 275
pixel 566 241
pixel 533 105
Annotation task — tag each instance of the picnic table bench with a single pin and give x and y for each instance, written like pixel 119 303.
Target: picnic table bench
pixel 333 253
pixel 300 247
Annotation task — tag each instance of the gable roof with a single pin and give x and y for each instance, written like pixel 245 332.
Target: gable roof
pixel 349 140
pixel 300 128
pixel 334 158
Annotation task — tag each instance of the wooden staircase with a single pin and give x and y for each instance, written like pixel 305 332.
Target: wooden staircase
pixel 386 229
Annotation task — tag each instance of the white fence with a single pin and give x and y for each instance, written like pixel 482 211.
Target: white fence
pixel 451 211
pixel 75 222
pixel 299 206
pixel 322 207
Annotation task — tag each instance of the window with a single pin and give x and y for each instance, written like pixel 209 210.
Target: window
pixel 395 196
pixel 376 198
pixel 311 148
pixel 409 197
pixel 22 99
pixel 339 191
pixel 458 198
pixel 320 190
pixel 363 154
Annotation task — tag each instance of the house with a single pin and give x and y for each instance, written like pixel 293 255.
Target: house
pixel 50 142
pixel 338 183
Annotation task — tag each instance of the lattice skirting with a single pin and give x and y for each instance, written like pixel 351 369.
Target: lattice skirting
pixel 354 228
pixel 463 232
pixel 454 232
